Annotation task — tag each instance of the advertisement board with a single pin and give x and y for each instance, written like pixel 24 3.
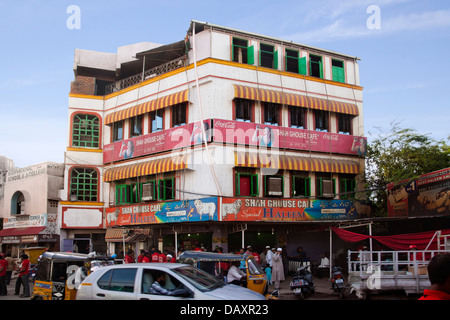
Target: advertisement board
pixel 253 134
pixel 165 140
pixel 427 195
pixel 205 209
pixel 286 210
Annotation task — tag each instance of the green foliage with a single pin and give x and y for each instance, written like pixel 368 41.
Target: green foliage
pixel 400 154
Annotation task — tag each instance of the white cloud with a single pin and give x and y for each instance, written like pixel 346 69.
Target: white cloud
pixel 349 29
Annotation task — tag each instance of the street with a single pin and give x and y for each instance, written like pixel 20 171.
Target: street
pixel 322 287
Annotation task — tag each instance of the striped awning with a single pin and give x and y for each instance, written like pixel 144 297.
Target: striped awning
pixel 176 162
pixel 148 106
pixel 291 99
pixel 296 163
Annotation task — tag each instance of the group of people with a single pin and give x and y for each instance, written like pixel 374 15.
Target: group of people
pixel 22 266
pixel 153 255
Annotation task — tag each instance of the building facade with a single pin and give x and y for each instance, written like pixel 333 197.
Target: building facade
pixel 30 207
pixel 225 138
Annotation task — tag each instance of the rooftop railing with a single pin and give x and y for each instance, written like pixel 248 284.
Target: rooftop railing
pixel 148 74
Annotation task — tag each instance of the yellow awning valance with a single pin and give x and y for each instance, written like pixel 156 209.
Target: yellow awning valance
pixel 296 163
pixel 291 99
pixel 176 162
pixel 148 106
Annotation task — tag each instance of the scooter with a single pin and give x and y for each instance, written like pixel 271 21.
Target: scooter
pixel 302 283
pixel 337 281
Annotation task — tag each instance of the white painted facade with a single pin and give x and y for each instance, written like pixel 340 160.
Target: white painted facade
pixel 216 75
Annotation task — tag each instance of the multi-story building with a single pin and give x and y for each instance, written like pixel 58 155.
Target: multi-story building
pixel 225 138
pixel 29 207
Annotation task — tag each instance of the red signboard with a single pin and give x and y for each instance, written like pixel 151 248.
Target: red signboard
pixel 165 140
pixel 248 133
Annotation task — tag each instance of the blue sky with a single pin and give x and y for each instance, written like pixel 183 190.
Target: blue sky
pixel 404 65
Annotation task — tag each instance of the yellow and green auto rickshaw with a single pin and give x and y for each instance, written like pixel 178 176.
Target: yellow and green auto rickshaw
pixel 58 272
pixel 218 264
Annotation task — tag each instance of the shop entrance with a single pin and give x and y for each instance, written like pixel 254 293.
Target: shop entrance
pixel 190 241
pixel 258 240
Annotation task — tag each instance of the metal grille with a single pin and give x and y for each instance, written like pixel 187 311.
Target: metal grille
pixel 148 74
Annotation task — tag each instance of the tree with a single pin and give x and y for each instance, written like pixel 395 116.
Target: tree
pixel 398 154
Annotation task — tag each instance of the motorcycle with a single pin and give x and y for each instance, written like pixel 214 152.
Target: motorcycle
pixel 337 281
pixel 302 283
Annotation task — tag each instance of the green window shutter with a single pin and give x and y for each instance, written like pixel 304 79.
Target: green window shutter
pixel 161 189
pixel 237 184
pixel 302 66
pixel 321 68
pixel 338 74
pixel 343 189
pixel 308 187
pixel 251 55
pixel 254 191
pixel 275 60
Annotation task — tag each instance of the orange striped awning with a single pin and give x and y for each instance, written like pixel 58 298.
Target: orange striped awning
pixel 292 99
pixel 148 106
pixel 177 162
pixel 296 163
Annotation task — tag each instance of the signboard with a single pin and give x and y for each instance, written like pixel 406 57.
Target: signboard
pixel 163 212
pixel 165 140
pixel 247 133
pixel 286 210
pixel 426 196
pixel 35 220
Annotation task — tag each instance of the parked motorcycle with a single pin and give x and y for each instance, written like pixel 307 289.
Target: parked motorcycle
pixel 337 281
pixel 302 283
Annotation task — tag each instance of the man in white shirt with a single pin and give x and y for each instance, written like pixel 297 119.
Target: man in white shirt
pixel 236 276
pixel 269 255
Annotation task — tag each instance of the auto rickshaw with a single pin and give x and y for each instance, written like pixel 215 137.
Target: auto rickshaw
pixel 218 264
pixel 58 272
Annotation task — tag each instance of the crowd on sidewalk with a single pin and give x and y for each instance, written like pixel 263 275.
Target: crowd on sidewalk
pixel 8 265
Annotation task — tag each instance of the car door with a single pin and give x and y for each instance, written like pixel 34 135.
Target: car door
pixel 116 284
pixel 148 277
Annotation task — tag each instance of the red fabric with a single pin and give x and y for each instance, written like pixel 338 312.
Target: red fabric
pixel 25 267
pixel 434 295
pixel 395 242
pixel 20 231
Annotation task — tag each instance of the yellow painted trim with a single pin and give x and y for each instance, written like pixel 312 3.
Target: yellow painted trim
pixel 85 96
pixel 221 62
pixel 81 203
pixel 84 150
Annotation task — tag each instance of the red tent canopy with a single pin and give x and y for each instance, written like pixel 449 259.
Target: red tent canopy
pixel 395 242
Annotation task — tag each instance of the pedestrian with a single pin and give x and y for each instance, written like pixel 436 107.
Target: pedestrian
pixel 269 255
pixel 3 268
pixel 11 267
pixel 439 274
pixel 256 255
pixel 277 270
pixel 129 257
pixel 141 256
pixel 146 258
pixel 22 279
pixel 268 272
pixel 155 256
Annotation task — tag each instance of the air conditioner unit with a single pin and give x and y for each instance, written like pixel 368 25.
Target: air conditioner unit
pixel 274 186
pixel 327 189
pixel 147 192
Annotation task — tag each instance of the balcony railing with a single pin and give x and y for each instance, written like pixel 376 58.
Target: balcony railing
pixel 148 74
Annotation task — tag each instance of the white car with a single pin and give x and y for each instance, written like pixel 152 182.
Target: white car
pixel 134 282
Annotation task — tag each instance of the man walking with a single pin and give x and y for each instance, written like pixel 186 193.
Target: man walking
pixel 23 279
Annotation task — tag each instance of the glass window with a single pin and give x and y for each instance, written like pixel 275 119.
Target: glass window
pixel 85 131
pixel 117 131
pixel 179 115
pixel 344 123
pixel 298 117
pixel 271 113
pixel 118 280
pixel 84 184
pixel 156 120
pixel 315 66
pixel 240 50
pixel 321 118
pixel 268 57
pixel 136 126
pixel 243 110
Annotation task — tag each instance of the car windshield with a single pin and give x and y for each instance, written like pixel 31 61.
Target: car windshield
pixel 254 267
pixel 198 278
